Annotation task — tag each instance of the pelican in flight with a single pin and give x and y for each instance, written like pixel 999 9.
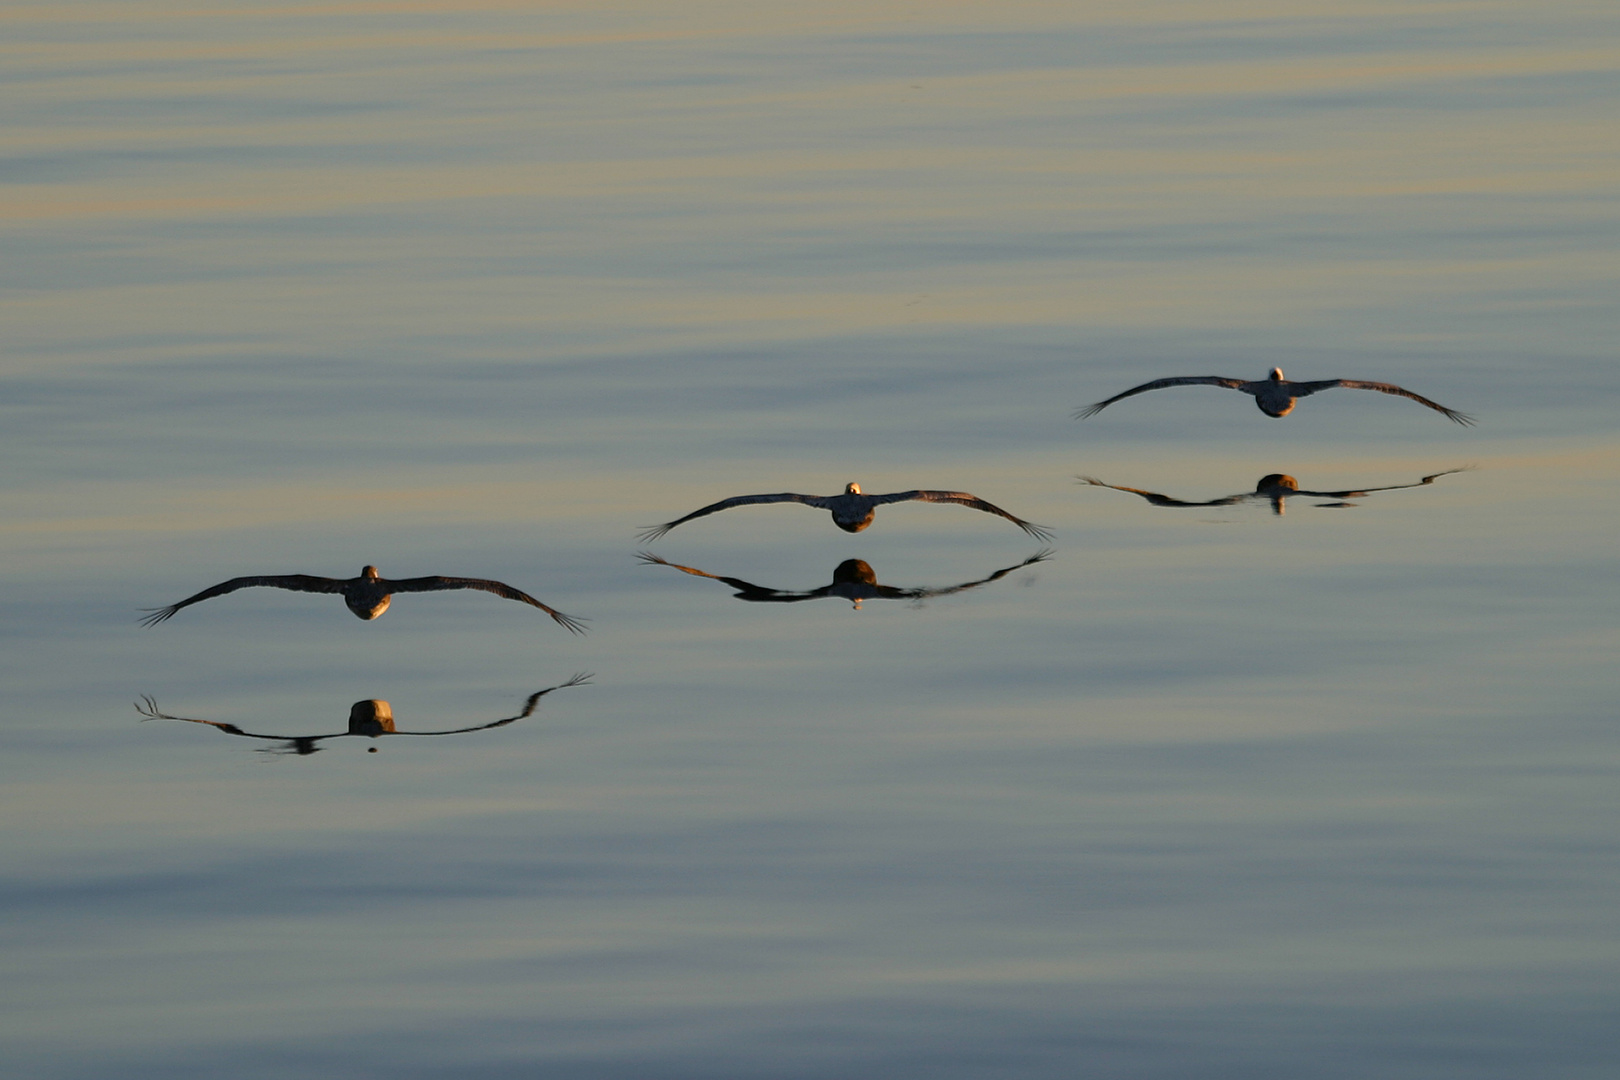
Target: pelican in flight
pixel 1277 487
pixel 368 595
pixel 370 719
pixel 1274 394
pixel 853 580
pixel 852 511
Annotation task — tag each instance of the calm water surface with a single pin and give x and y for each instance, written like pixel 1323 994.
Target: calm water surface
pixel 479 290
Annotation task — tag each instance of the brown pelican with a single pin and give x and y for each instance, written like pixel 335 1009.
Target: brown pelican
pixel 368 595
pixel 853 580
pixel 1274 394
pixel 372 719
pixel 1276 487
pixel 852 511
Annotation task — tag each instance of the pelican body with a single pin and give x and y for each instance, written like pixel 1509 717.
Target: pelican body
pixel 1275 395
pixel 366 595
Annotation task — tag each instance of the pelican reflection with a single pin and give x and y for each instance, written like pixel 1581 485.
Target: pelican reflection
pixel 853 510
pixel 368 595
pixel 853 580
pixel 1275 487
pixel 1274 394
pixel 370 719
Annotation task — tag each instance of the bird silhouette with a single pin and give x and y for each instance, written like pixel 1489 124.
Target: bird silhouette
pixel 371 719
pixel 1274 394
pixel 1277 487
pixel 853 510
pixel 368 595
pixel 853 580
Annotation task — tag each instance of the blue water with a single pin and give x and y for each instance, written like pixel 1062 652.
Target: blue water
pixel 1211 791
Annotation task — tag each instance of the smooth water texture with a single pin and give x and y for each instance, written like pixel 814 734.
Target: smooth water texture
pixel 1234 780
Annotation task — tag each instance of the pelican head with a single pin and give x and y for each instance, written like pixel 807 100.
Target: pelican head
pixel 1276 374
pixel 852 488
pixel 369 573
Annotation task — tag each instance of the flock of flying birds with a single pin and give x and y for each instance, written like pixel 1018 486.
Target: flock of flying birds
pixel 369 594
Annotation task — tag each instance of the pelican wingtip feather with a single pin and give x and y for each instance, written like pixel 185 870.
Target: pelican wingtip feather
pixel 1039 532
pixel 571 623
pixel 157 615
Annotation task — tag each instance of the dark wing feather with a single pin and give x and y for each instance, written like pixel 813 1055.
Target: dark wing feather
pixel 1426 481
pixel 650 534
pixel 1308 388
pixel 1164 500
pixel 962 498
pixel 1160 384
pixel 499 588
pixel 149 711
pixel 528 710
pixel 927 594
pixel 746 590
pixel 295 582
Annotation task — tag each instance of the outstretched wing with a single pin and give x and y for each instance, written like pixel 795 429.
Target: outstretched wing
pixel 746 590
pixel 1308 388
pixel 1160 384
pixel 962 498
pixel 1425 482
pixel 295 582
pixel 499 588
pixel 653 533
pixel 148 709
pixel 928 594
pixel 1164 500
pixel 579 679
